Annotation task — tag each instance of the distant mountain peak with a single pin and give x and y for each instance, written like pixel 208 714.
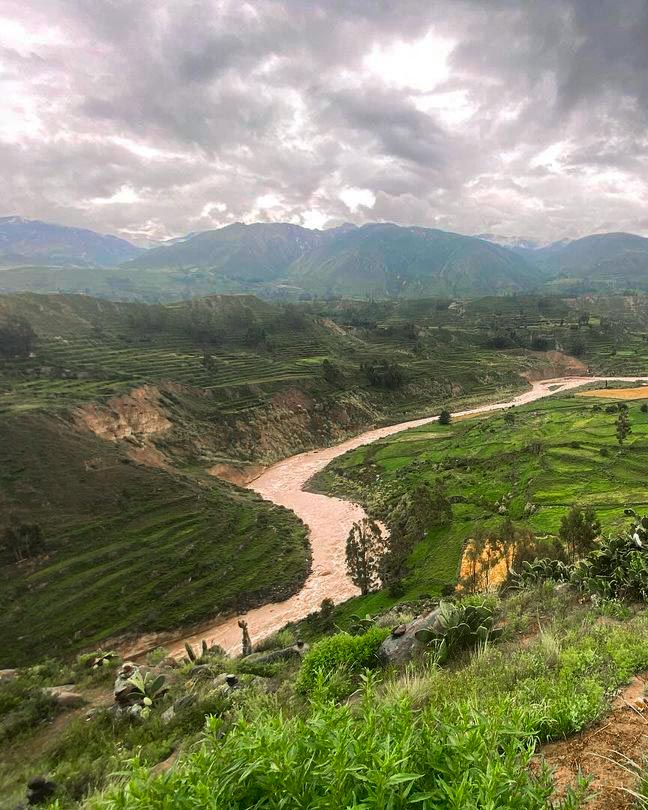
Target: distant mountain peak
pixel 31 241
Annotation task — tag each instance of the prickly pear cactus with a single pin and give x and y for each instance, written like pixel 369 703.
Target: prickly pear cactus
pixel 458 627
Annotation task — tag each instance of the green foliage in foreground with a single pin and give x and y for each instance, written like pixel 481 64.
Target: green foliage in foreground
pixel 353 653
pixel 428 738
pixel 617 568
pixel 459 627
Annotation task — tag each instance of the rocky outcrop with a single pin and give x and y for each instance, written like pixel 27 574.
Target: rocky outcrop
pixel 402 645
pixel 136 414
pixel 555 364
pixel 65 696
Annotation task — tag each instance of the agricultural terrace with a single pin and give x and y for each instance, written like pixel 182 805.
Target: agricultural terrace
pixel 530 467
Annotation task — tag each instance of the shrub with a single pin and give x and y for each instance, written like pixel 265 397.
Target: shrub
pixel 354 653
pixel 22 708
pixel 619 566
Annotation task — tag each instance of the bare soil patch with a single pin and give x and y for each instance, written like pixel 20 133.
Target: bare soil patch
pixel 603 751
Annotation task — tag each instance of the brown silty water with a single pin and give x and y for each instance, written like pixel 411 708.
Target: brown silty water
pixel 329 521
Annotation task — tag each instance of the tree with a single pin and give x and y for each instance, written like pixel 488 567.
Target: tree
pixel 332 373
pixel 415 512
pixel 644 408
pixel 579 528
pixel 623 426
pixel 445 417
pixel 16 337
pixel 383 374
pixel 509 418
pixel 24 540
pixel 365 549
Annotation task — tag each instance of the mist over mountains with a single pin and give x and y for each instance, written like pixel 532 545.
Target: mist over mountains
pixel 377 260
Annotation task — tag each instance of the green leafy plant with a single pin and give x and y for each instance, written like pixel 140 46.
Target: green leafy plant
pixel 458 627
pixel 532 573
pixel 359 624
pixel 150 688
pixel 619 566
pixel 354 653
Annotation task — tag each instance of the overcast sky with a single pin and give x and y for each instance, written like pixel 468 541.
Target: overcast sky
pixel 150 118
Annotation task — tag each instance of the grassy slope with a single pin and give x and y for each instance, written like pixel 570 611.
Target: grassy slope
pixel 109 523
pixel 128 548
pixel 483 459
pixel 450 739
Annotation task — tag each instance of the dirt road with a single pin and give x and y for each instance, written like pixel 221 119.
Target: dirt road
pixel 329 521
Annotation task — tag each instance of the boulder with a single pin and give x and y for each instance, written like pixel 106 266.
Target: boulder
pixel 402 645
pixel 40 790
pixel 126 693
pixel 65 696
pixel 7 675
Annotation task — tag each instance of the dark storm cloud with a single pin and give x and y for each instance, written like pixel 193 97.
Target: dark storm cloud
pixel 157 118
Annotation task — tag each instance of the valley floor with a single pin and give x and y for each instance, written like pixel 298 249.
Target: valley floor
pixel 329 520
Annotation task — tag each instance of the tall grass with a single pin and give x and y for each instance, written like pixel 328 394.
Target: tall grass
pixel 449 740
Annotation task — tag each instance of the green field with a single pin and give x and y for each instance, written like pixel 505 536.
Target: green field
pixel 558 452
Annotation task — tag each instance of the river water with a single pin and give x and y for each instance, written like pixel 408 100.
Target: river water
pixel 329 521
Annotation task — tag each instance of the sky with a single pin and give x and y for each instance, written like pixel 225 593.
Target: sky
pixel 150 119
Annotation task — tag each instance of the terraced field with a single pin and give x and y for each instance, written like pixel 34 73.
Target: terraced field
pixel 239 381
pixel 127 548
pixel 557 452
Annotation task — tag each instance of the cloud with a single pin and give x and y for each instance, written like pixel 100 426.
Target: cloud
pixel 151 119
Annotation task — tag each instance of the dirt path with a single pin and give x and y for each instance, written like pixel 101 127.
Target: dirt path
pixel 330 520
pixel 605 752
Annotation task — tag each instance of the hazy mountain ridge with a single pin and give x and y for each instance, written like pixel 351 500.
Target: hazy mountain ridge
pixel 380 260
pixel 30 241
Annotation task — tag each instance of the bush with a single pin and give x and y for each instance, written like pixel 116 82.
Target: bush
pixel 22 708
pixel 619 566
pixel 353 653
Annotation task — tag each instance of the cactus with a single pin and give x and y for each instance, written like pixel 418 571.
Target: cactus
pixel 206 651
pixel 149 686
pixel 360 625
pixel 458 627
pixel 541 570
pixel 102 659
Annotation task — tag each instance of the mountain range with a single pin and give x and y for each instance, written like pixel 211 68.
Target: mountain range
pixel 30 241
pixel 379 260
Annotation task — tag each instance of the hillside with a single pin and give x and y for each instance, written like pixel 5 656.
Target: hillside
pixel 32 242
pixel 529 695
pixel 386 261
pixel 286 261
pixel 600 261
pixel 118 419
pixel 252 253
pixel 528 467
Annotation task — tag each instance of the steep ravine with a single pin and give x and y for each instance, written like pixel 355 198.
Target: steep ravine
pixel 329 520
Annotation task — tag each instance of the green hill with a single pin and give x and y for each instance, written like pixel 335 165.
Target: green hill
pixel 601 261
pixel 387 261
